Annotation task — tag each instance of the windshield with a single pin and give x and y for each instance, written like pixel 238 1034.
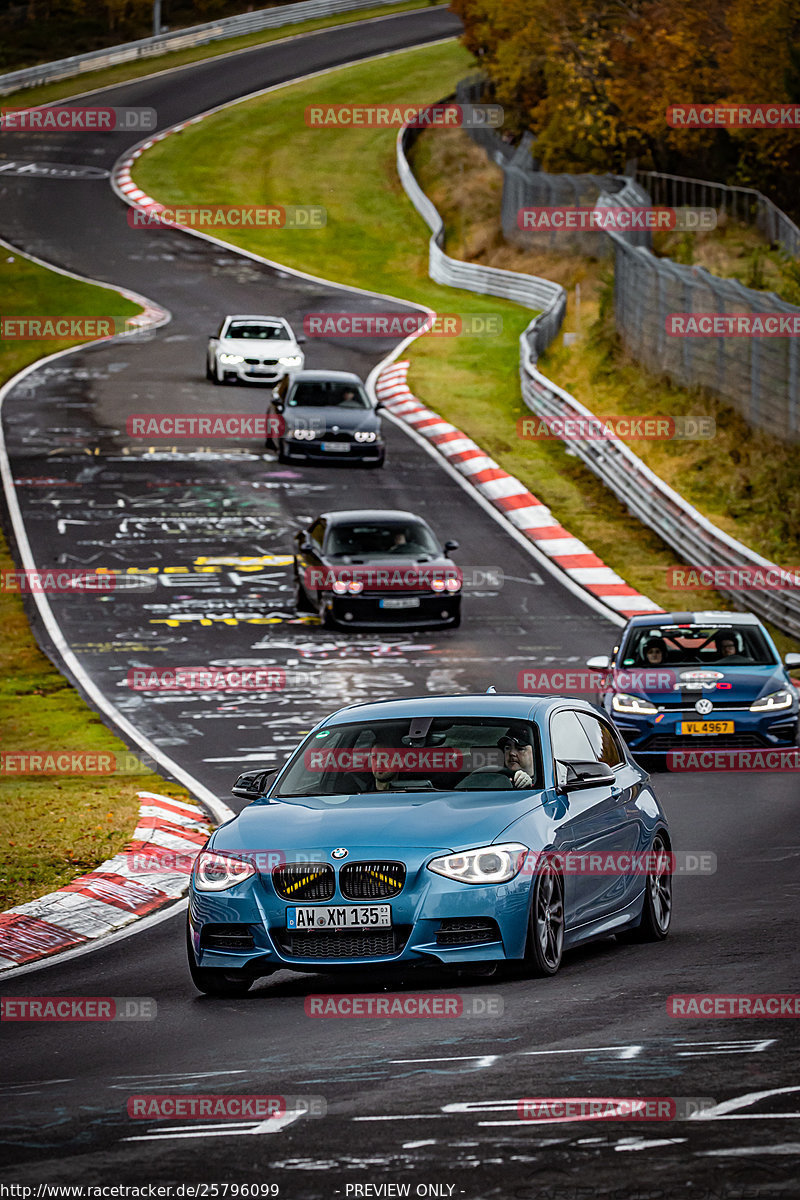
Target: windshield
pixel 261 333
pixel 697 645
pixel 377 539
pixel 421 755
pixel 323 393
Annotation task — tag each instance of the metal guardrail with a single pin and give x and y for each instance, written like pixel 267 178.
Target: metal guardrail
pixel 180 39
pixel 696 539
pixel 529 290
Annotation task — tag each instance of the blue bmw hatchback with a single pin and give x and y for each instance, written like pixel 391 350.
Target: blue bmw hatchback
pixel 441 830
pixel 699 680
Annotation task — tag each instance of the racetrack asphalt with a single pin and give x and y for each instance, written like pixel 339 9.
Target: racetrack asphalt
pixel 408 1101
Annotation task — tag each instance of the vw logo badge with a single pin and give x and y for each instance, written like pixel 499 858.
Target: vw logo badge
pixel 703 707
pixel 339 852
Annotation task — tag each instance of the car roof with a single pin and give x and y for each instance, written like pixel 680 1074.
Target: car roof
pixel 709 617
pixel 255 317
pixel 339 516
pixel 333 376
pixel 511 706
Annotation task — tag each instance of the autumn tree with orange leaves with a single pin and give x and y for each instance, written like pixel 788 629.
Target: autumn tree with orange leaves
pixel 593 81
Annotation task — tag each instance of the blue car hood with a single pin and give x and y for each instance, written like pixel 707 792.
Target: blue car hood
pixel 442 821
pixel 746 683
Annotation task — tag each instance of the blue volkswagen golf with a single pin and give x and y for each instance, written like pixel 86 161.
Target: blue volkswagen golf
pixel 441 830
pixel 699 679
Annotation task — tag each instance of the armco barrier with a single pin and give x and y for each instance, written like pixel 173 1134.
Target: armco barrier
pixel 181 39
pixel 678 523
pixel 542 294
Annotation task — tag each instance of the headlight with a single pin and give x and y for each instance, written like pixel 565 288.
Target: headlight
pixel 304 434
pixel 775 700
pixel 631 704
pixel 215 872
pixel 364 436
pixel 452 584
pixel 291 360
pixel 487 864
pixel 437 585
pixel 231 358
pixel 342 586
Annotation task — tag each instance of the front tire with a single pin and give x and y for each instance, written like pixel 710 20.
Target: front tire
pixel 657 906
pixel 213 981
pixel 546 923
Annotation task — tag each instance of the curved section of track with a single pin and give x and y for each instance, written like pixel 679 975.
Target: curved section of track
pixel 415 1102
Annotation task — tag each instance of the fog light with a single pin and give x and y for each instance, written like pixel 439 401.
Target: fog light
pixel 348 616
pixel 445 613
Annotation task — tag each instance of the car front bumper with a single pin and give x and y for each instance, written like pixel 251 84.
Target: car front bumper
pixel 649 735
pixel 367 611
pixel 481 924
pixel 313 451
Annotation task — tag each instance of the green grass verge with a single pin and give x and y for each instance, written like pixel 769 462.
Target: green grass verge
pixel 52 828
pixel 374 239
pixel 108 76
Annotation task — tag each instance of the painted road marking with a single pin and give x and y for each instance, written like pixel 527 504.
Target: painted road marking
pixel 275 1124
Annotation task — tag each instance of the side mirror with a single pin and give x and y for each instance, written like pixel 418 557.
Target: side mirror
pixel 792 660
pixel 379 405
pixel 252 784
pixel 579 774
pixel 600 662
pixel 301 339
pixel 450 546
pixel 277 404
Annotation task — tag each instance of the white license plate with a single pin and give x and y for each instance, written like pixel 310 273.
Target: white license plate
pixel 343 916
pixel 335 447
pixel 401 602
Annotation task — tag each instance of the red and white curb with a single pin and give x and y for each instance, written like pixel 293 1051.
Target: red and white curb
pixel 170 834
pixel 507 494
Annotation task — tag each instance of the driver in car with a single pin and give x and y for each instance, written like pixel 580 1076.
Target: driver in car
pixel 517 747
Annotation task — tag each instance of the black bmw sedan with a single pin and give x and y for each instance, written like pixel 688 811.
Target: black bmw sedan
pixel 324 415
pixel 370 568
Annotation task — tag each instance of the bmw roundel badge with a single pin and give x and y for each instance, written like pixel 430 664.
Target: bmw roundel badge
pixel 339 852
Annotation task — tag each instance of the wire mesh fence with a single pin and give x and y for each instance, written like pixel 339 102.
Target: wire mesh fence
pixel 758 373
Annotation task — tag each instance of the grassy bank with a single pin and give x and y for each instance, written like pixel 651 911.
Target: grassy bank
pixel 52 828
pixel 473 382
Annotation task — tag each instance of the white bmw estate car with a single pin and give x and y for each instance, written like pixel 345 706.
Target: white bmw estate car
pixel 253 349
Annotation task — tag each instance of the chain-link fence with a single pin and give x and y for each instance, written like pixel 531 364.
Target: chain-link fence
pixel 757 372
pixel 742 204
